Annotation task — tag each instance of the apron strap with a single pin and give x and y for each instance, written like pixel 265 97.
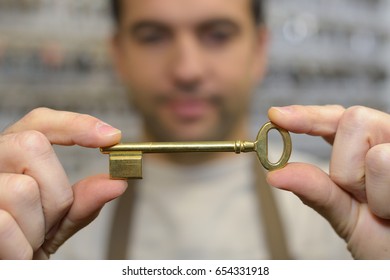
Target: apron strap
pixel 123 216
pixel 120 232
pixel 271 221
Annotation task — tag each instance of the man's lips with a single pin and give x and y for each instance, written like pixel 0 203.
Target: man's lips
pixel 188 109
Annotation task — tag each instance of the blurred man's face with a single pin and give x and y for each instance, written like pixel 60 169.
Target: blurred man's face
pixel 190 66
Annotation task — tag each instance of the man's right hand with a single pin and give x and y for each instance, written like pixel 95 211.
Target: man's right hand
pixel 39 209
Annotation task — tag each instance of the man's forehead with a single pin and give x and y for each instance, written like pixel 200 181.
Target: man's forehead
pixel 184 12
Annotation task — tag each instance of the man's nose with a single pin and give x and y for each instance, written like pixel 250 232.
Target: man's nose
pixel 188 65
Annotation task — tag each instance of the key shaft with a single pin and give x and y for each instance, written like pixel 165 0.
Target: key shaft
pixel 181 147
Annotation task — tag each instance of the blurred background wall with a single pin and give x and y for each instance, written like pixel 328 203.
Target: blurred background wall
pixel 54 53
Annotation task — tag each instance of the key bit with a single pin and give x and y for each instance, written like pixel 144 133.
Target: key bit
pixel 126 158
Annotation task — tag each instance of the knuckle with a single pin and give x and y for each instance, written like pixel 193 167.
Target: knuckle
pixel 77 118
pixel 35 116
pixel 84 126
pixel 378 160
pixel 24 189
pixel 35 113
pixel 83 120
pixel 356 116
pixel 337 107
pixel 34 142
pixel 83 117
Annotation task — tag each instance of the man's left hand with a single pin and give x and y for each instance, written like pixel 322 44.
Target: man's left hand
pixel 355 196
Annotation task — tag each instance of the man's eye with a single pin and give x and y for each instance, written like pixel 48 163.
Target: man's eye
pixel 217 37
pixel 151 37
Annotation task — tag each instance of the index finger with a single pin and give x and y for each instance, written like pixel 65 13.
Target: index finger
pixel 312 120
pixel 68 128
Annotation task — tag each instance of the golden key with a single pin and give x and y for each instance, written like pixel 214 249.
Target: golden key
pixel 126 158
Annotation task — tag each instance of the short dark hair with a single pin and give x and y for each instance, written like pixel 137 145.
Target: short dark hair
pixel 257 10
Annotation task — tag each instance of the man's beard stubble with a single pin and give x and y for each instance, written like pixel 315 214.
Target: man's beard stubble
pixel 227 121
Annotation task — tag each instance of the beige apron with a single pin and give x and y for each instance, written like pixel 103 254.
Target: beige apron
pixel 275 238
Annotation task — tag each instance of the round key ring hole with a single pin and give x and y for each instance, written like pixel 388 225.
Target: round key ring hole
pixel 262 147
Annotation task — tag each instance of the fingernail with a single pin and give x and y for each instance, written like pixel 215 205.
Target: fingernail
pixel 106 129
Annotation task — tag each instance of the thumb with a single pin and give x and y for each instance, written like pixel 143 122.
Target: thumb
pixel 315 188
pixel 90 195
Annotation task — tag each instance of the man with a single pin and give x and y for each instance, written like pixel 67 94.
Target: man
pixel 191 67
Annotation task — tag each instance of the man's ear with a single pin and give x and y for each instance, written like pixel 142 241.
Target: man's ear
pixel 117 56
pixel 261 52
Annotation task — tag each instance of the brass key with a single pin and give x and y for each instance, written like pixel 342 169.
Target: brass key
pixel 126 158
